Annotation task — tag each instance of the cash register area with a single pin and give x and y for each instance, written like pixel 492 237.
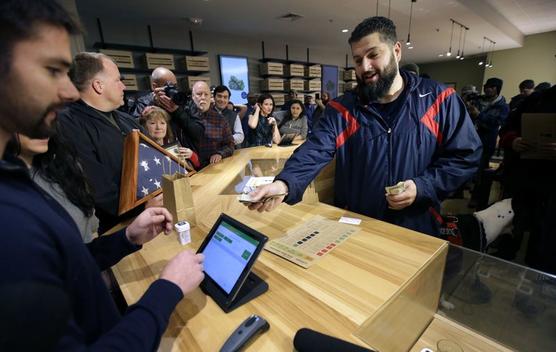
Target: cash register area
pixel 381 286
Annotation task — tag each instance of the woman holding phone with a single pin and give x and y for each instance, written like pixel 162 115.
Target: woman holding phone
pixel 263 129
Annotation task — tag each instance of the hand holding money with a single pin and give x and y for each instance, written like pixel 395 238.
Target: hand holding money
pixel 401 195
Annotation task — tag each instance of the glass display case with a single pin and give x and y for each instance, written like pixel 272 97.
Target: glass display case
pixel 505 302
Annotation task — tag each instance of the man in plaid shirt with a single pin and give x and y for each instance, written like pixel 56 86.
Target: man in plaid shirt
pixel 217 142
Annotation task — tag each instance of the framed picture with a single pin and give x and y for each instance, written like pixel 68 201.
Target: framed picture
pixel 144 163
pixel 234 74
pixel 330 80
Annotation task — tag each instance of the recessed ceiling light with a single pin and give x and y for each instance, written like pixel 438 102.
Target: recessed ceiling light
pixel 345 30
pixel 410 47
pixel 440 55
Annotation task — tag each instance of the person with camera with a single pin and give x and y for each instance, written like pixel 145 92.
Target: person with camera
pixel 263 129
pixel 322 101
pixel 184 120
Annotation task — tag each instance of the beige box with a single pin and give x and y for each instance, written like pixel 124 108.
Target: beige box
pixel 349 75
pixel 295 84
pixel 295 70
pixel 160 60
pixel 313 85
pixel 279 99
pixel 197 63
pixel 350 85
pixel 191 80
pixel 123 59
pixel 130 81
pixel 313 71
pixel 272 84
pixel 272 68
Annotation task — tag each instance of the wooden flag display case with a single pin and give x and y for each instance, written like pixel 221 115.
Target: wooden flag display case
pixel 144 163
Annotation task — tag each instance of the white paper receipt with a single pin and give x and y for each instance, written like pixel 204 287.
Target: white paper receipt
pixel 351 221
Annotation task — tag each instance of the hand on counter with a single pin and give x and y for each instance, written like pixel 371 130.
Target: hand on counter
pixel 268 197
pixel 148 225
pixel 215 158
pixel 185 270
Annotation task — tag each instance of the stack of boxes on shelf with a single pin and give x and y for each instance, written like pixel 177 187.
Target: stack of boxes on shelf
pixel 281 76
pixel 140 61
pixel 197 64
pixel 124 59
pixel 273 83
pixel 350 80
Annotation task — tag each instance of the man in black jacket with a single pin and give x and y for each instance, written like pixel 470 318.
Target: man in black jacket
pixel 97 130
pixel 185 123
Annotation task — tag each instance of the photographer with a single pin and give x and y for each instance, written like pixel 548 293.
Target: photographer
pixel 184 121
pixel 262 125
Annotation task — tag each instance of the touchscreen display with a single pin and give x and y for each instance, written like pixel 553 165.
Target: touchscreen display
pixel 227 254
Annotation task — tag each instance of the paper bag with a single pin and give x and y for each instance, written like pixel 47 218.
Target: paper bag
pixel 178 198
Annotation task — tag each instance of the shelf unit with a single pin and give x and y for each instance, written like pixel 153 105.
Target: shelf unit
pixel 136 62
pixel 282 75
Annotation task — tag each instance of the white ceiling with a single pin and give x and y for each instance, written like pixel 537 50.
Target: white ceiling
pixel 504 21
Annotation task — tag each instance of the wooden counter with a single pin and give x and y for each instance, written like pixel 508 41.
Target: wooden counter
pixel 380 288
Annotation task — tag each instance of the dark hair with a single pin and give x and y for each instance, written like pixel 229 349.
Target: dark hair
pixel 60 165
pixel 527 84
pixel 84 67
pixel 264 97
pixel 288 116
pixel 221 89
pixel 297 101
pixel 378 24
pixel 19 20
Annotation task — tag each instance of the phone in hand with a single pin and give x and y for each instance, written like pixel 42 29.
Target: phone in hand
pixel 317 95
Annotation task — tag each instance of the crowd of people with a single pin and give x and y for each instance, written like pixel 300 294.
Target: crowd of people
pixel 62 131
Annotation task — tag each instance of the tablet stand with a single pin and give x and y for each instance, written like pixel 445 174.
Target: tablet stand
pixel 253 287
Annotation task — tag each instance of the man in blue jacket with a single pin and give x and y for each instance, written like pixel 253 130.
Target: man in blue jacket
pixel 396 127
pixel 40 244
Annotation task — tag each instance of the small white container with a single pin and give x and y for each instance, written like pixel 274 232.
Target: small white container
pixel 184 234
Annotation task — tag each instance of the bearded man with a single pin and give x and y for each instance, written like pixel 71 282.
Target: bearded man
pixel 395 127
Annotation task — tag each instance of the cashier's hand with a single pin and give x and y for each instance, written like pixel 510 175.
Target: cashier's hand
pixel 263 196
pixel 404 199
pixel 185 270
pixel 148 225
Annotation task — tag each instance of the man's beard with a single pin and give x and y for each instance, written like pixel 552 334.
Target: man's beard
pixel 371 92
pixel 20 114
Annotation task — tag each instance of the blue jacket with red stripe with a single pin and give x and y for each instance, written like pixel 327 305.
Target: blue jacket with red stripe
pixel 430 139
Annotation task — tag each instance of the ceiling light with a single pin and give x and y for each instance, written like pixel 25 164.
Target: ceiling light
pixel 440 55
pixel 449 52
pixel 408 42
pixel 345 30
pixel 196 20
pixel 410 47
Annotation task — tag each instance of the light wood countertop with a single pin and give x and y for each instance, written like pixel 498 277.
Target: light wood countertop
pixel 335 296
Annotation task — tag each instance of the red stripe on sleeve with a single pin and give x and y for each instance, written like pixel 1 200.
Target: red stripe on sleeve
pixel 428 118
pixel 352 124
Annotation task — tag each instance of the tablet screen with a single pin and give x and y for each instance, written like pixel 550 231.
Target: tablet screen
pixel 227 254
